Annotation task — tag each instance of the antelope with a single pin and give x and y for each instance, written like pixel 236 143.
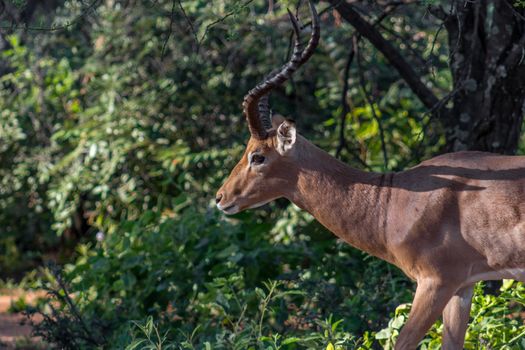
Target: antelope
pixel 446 223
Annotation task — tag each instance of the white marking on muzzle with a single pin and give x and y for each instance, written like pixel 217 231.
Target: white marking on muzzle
pixel 228 209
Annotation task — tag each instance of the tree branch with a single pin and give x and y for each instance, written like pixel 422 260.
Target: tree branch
pixel 516 55
pixel 84 13
pixel 344 103
pixel 356 37
pixel 438 12
pixel 395 58
pixel 371 103
pixel 172 14
pixel 221 19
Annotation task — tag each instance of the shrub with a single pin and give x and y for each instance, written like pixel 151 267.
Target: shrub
pixel 226 282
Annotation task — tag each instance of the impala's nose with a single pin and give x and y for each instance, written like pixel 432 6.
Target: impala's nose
pixel 218 198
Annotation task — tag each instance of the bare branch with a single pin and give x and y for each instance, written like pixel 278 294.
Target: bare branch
pixel 219 20
pixel 200 40
pixel 344 103
pixel 431 55
pixel 172 14
pixel 84 12
pixel 438 12
pixel 514 11
pixel 346 108
pixel 414 52
pixel 369 100
pixel 322 12
pixel 190 23
pixel 396 2
pixel 392 54
pixel 430 113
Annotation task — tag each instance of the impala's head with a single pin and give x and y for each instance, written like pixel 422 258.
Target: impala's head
pixel 266 168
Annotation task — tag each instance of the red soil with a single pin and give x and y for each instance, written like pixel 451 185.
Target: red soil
pixel 14 335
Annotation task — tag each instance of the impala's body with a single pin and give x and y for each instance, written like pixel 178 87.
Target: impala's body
pixel 447 223
pixel 466 211
pixel 474 199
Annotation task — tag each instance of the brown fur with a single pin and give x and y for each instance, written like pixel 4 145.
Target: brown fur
pixel 447 223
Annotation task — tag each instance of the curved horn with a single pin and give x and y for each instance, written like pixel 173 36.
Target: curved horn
pixel 265 112
pixel 314 38
pixel 264 104
pixel 251 103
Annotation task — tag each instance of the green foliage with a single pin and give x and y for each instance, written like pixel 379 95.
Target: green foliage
pixel 387 336
pixel 100 126
pixel 519 3
pixel 123 125
pixel 202 278
pixel 496 321
pixel 148 337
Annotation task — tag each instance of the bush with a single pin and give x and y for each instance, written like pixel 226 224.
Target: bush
pixel 202 278
pixel 496 321
pixel 189 280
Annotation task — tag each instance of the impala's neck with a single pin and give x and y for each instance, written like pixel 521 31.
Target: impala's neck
pixel 349 202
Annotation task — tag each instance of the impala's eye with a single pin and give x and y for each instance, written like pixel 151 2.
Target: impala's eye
pixel 257 159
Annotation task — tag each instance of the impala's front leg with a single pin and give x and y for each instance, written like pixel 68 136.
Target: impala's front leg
pixel 455 319
pixel 429 301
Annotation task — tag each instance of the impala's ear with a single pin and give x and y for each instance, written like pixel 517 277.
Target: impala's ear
pixel 286 135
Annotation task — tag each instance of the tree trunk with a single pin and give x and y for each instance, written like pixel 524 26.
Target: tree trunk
pixel 487 63
pixel 487 48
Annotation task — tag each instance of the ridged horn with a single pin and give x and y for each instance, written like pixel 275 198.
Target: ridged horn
pixel 256 101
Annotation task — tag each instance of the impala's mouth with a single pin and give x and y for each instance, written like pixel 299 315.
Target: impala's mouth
pixel 260 204
pixel 230 209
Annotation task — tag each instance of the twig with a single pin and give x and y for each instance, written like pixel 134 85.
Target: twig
pixel 514 11
pixel 389 51
pixel 83 14
pixel 322 12
pixel 371 103
pixel 198 40
pixel 297 8
pixel 430 58
pixel 219 20
pixel 344 103
pixel 453 6
pixel 431 113
pixel 346 108
pixel 414 52
pixel 163 51
pixel 438 12
pixel 397 2
pixel 72 306
pixel 190 23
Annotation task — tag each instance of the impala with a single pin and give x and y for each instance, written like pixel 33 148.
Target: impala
pixel 447 223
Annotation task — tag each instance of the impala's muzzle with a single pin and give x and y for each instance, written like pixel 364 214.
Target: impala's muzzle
pixel 227 208
pixel 230 210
